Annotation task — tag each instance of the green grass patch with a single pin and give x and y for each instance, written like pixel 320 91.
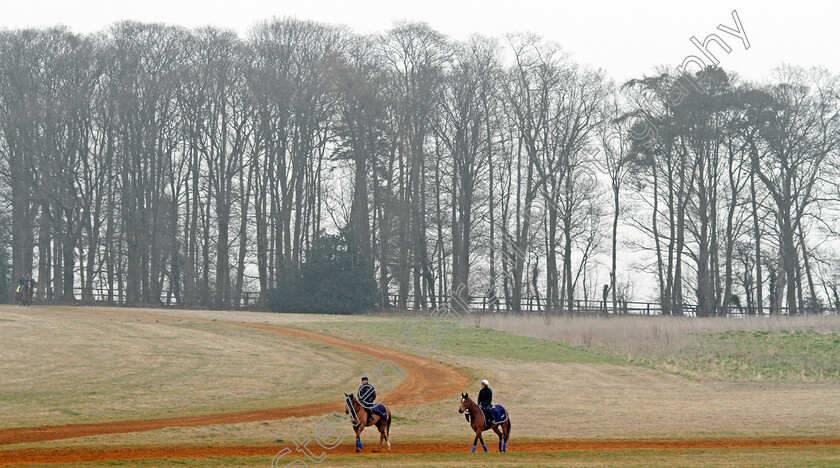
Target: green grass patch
pixel 468 341
pixel 756 355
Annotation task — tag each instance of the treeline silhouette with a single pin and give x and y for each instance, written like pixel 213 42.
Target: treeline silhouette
pixel 157 163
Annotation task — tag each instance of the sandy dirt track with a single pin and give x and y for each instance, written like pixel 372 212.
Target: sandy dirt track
pixel 80 455
pixel 425 381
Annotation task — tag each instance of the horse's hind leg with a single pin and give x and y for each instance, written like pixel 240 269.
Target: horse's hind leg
pixel 507 434
pixel 498 433
pixel 388 432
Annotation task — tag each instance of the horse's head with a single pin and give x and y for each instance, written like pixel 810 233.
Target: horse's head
pixel 351 407
pixel 465 403
pixel 348 403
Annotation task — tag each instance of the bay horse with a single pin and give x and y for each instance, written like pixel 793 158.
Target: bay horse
pixel 24 294
pixel 359 413
pixel 476 419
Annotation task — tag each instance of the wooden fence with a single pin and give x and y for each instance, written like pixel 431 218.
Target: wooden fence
pixel 490 304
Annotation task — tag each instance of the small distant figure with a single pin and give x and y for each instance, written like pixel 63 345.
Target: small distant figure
pixel 21 283
pixel 736 301
pixel 606 296
pixel 25 290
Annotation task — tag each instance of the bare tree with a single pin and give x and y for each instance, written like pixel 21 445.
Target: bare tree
pixel 463 129
pixel 799 130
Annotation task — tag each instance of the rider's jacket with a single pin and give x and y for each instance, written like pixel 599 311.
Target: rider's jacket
pixel 367 395
pixel 485 397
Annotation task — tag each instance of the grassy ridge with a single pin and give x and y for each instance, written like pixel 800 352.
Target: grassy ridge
pixel 776 355
pixel 468 341
pixel 756 355
pixel 784 349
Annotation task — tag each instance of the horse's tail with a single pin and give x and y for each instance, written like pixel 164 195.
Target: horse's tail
pixel 507 431
pixel 388 426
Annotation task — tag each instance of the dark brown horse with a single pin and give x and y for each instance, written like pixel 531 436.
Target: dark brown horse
pixel 359 417
pixel 476 419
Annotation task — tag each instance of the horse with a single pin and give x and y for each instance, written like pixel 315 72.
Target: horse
pixel 475 417
pixel 357 411
pixel 24 293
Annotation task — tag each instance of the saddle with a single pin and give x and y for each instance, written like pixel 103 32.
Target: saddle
pixel 497 412
pixel 379 410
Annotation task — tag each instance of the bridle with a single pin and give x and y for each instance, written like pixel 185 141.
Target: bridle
pixel 467 403
pixel 355 420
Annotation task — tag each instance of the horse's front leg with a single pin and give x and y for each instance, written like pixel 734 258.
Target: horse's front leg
pixel 358 440
pixel 475 441
pixel 482 441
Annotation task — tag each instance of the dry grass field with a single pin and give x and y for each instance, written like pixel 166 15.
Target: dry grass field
pixel 800 348
pixel 68 366
pixel 627 334
pixel 574 379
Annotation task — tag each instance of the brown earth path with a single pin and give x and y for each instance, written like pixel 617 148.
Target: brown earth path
pixel 425 381
pixel 81 455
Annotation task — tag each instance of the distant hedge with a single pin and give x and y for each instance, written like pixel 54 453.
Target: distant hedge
pixel 332 280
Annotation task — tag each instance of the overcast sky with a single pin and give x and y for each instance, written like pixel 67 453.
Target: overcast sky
pixel 626 38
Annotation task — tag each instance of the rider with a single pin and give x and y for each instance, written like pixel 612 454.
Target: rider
pixel 21 282
pixel 485 401
pixel 367 396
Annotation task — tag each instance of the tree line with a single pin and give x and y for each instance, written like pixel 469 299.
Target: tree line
pixel 151 163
